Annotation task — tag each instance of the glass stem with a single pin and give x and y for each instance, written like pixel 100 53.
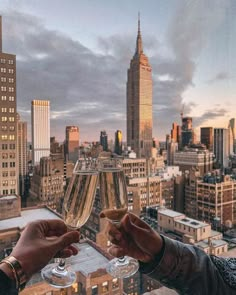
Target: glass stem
pixel 61 265
pixel 121 259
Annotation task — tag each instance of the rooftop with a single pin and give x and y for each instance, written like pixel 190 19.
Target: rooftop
pixel 28 215
pixel 170 213
pixel 192 222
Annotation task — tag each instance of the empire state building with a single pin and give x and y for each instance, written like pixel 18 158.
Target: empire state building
pixel 139 102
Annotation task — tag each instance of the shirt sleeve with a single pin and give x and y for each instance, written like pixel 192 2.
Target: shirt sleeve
pixel 7 286
pixel 189 270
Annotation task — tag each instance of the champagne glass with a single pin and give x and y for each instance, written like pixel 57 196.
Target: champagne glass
pixel 114 201
pixel 76 209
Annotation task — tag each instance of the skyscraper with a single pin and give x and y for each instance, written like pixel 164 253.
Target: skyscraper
pixel 72 143
pixel 232 136
pixel 187 132
pixel 221 147
pixel 104 140
pixel 139 102
pixel 207 137
pixel 40 121
pixel 22 154
pixel 8 123
pixel 118 142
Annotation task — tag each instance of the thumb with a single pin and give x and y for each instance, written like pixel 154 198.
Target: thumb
pixel 66 240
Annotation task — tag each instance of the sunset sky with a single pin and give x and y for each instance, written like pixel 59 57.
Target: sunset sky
pixel 76 53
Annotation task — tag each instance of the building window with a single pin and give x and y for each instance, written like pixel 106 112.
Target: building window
pixel 3 79
pixel 3 60
pixel 5 174
pixel 12 164
pixel 4 146
pixel 12 191
pixel 4 110
pixel 12 146
pixel 10 71
pixel 4 183
pixel 4 156
pixel 11 80
pixel 104 287
pixel 11 62
pixel 4 119
pixel 95 290
pixel 3 70
pixel 12 155
pixel 5 191
pixel 4 164
pixel 4 137
pixel 11 128
pixel 11 110
pixel 3 88
pixel 11 98
pixel 115 283
pixel 12 173
pixel 4 97
pixel 11 89
pixel 11 119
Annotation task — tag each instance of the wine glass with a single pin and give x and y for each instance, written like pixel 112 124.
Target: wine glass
pixel 114 202
pixel 76 209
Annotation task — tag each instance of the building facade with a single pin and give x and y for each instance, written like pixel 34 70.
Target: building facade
pixel 118 142
pixel 104 140
pixel 40 126
pixel 8 123
pixel 221 147
pixel 206 137
pixel 139 102
pixel 72 143
pixel 22 156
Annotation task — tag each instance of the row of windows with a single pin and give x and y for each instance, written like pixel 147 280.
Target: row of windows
pixel 7 137
pixel 10 155
pixel 9 119
pixel 11 146
pixel 10 61
pixel 11 164
pixel 11 128
pixel 6 191
pixel 10 89
pixel 4 71
pixel 4 80
pixel 11 173
pixel 9 182
pixel 4 98
pixel 10 110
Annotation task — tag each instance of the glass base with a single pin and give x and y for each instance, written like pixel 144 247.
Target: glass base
pixel 122 267
pixel 58 277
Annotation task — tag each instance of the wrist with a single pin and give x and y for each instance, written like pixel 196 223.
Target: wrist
pixel 7 270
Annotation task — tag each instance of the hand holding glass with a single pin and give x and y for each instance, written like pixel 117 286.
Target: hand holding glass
pixel 77 207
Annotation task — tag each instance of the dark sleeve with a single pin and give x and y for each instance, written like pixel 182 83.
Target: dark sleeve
pixel 7 286
pixel 189 270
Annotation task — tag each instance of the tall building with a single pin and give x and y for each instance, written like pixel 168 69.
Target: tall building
pixel 175 132
pixel 40 121
pixel 221 147
pixel 187 132
pixel 8 123
pixel 118 142
pixel 72 143
pixel 104 140
pixel 139 102
pixel 206 137
pixel 22 155
pixel 232 136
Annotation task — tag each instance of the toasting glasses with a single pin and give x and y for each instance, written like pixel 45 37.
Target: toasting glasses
pixel 77 207
pixel 114 201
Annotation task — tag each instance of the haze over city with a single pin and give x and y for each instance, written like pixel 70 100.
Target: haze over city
pixel 76 55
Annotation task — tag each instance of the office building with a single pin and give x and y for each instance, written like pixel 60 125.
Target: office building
pixel 22 156
pixel 221 147
pixel 8 123
pixel 139 102
pixel 104 140
pixel 232 136
pixel 118 142
pixel 198 157
pixel 72 143
pixel 206 137
pixel 40 127
pixel 187 132
pixel 175 133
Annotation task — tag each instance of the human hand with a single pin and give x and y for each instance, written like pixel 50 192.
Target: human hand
pixel 134 238
pixel 40 241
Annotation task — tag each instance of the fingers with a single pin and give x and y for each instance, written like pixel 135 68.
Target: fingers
pixel 137 221
pixel 67 239
pixel 117 251
pixel 67 252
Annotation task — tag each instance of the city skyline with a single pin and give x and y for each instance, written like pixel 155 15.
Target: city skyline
pixel 78 59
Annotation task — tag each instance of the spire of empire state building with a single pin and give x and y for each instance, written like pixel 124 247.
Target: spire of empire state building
pixel 139 43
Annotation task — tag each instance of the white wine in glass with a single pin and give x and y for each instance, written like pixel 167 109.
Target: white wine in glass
pixel 114 201
pixel 76 209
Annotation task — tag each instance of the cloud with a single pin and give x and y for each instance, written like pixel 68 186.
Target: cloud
pixel 219 77
pixel 88 88
pixel 210 115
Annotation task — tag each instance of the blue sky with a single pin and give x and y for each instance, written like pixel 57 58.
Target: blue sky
pixel 76 54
